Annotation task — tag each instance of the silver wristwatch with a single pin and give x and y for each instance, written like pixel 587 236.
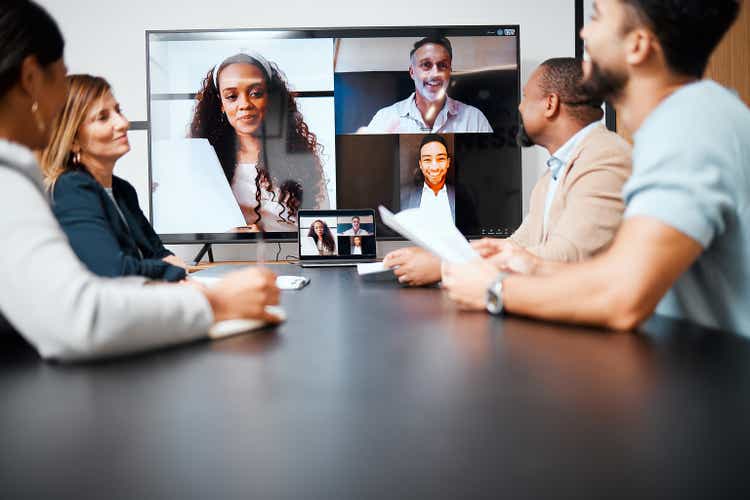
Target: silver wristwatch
pixel 495 295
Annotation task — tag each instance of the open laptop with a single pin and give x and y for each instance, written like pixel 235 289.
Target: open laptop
pixel 336 237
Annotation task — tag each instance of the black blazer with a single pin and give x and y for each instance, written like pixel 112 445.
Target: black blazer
pixel 98 234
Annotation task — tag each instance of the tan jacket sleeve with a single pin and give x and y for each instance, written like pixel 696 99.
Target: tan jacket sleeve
pixel 589 203
pixel 521 235
pixel 529 232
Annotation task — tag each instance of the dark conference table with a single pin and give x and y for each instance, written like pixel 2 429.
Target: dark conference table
pixel 375 391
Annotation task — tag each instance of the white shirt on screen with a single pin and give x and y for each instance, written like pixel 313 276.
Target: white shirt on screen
pixel 244 189
pixel 356 250
pixel 436 207
pixel 352 232
pixel 404 117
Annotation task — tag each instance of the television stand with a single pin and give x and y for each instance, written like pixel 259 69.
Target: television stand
pixel 206 248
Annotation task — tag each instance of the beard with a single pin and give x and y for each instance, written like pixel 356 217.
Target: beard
pixel 522 137
pixel 432 94
pixel 602 84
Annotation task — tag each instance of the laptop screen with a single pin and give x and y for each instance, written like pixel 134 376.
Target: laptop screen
pixel 337 234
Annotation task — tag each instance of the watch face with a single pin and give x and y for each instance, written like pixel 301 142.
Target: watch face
pixel 493 307
pixel 495 297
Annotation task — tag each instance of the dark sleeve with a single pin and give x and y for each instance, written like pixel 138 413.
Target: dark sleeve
pixel 79 209
pixel 160 251
pixel 407 198
pixel 344 244
pixel 467 220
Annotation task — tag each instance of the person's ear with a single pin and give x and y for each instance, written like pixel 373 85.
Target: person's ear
pixel 551 105
pixel 640 44
pixel 31 77
pixel 411 71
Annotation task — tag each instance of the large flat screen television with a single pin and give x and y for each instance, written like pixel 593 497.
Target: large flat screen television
pixel 248 126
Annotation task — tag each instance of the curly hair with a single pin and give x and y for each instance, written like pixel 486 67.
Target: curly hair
pixel 328 242
pixel 296 166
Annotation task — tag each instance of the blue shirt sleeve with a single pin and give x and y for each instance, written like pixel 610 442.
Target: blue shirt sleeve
pixel 684 186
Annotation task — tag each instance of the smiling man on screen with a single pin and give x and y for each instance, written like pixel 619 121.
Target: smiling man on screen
pixel 429 108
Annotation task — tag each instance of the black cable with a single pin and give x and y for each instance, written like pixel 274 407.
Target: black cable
pixel 278 252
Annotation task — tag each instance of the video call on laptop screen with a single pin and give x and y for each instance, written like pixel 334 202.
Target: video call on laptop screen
pixel 247 127
pixel 337 234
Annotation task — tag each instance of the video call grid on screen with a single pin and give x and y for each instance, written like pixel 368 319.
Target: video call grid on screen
pixel 339 79
pixel 351 234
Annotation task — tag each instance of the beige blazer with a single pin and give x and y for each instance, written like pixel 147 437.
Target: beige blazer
pixel 587 207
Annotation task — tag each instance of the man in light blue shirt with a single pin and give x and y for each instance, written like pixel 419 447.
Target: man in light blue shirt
pixel 692 173
pixel 558 160
pixel 684 247
pixel 429 109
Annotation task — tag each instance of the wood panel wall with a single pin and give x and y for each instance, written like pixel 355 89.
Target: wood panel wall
pixel 730 64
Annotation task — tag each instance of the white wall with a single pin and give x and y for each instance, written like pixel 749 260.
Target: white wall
pixel 107 38
pixel 588 10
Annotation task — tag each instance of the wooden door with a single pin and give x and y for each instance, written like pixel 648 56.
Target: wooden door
pixel 730 64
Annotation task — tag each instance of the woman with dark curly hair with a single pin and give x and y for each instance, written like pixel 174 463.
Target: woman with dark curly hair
pixel 321 235
pixel 243 104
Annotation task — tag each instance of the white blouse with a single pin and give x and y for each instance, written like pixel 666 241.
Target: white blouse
pixel 243 187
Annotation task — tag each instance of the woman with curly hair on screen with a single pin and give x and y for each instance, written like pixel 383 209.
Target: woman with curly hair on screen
pixel 269 156
pixel 322 237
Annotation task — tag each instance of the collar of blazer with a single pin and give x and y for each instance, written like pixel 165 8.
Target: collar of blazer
pixel 595 131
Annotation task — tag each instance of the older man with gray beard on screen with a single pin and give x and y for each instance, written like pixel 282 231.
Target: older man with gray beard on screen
pixel 429 108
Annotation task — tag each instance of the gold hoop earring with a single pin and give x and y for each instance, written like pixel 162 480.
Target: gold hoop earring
pixel 40 125
pixel 77 157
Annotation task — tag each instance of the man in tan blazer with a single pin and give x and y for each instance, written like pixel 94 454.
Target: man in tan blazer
pixel 586 207
pixel 576 206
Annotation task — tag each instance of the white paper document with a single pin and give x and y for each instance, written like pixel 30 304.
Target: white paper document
pixel 375 271
pixel 371 267
pixel 444 239
pixel 230 327
pixel 190 192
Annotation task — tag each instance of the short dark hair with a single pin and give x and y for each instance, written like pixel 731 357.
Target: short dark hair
pixel 356 217
pixel 688 30
pixel 26 29
pixel 417 176
pixel 563 76
pixel 432 138
pixel 437 40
